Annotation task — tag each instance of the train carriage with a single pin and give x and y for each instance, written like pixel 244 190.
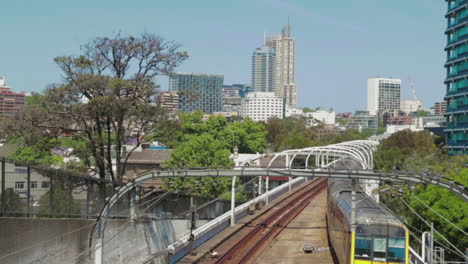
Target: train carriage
pixel 379 236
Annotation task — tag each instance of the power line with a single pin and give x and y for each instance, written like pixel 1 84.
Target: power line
pixel 466 234
pixel 422 219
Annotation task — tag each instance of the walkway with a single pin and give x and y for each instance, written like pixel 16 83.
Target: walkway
pixel 309 227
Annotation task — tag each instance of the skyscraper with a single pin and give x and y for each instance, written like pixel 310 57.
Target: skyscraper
pixel 383 94
pixel 457 77
pixel 284 46
pixel 263 69
pixel 198 91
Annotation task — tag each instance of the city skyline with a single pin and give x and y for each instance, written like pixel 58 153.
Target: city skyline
pixel 332 40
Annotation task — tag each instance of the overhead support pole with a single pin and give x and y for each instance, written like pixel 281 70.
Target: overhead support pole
pixel 98 247
pixel 267 189
pixel 259 185
pixel 233 201
pixel 353 206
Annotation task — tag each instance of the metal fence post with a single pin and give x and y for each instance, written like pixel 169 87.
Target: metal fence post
pixel 28 172
pixel 70 197
pixel 3 188
pixel 87 198
pixel 51 197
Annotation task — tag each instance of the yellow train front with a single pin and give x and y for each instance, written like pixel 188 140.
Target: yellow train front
pixel 379 238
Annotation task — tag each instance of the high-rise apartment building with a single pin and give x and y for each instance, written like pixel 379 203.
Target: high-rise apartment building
pixel 383 94
pixel 168 100
pixel 457 77
pixel 264 69
pixel 284 46
pixel 261 106
pixel 10 102
pixel 440 108
pixel 198 91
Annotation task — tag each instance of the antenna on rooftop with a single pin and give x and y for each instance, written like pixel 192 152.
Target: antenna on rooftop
pixel 411 85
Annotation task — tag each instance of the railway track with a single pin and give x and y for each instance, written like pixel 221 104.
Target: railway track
pixel 265 229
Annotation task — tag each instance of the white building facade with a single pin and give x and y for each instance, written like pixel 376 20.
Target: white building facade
pixel 410 106
pixel 284 46
pixel 322 116
pixel 383 94
pixel 261 106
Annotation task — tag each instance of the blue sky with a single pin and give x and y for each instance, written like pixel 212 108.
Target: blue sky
pixel 339 44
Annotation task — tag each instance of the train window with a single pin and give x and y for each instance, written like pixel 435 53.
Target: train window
pixel 363 247
pixel 396 249
pixel 380 249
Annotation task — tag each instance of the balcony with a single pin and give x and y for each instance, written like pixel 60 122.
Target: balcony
pixel 460 5
pixel 456 93
pixel 456 25
pixel 456 76
pixel 454 60
pixel 456 109
pixel 456 126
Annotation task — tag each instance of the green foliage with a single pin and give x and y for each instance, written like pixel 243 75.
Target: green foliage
pixel 33 156
pixel 208 143
pixel 416 151
pixel 290 132
pixel 61 203
pixel 13 203
pixel 421 113
pixel 348 135
pixel 307 110
pixel 380 130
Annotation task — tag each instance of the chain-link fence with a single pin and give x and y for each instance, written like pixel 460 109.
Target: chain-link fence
pixel 27 191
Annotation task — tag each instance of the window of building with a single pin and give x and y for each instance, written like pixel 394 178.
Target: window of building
pixel 45 184
pixel 33 184
pixel 19 185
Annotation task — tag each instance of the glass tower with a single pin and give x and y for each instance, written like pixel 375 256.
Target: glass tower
pixel 198 91
pixel 263 69
pixel 457 77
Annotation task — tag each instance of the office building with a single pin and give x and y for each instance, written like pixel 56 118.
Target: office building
pixel 457 77
pixel 410 106
pixel 168 100
pixel 261 106
pixel 198 91
pixel 284 46
pixel 263 69
pixel 383 94
pixel 363 119
pixel 320 117
pixel 440 108
pixel 10 102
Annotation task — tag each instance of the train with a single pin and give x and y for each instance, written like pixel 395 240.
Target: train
pixel 379 236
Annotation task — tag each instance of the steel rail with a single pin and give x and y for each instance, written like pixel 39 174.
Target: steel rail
pixel 279 218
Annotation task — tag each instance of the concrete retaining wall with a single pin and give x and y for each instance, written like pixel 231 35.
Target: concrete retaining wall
pixel 51 241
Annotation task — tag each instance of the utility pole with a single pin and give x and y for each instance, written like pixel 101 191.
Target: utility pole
pixel 431 252
pixel 193 224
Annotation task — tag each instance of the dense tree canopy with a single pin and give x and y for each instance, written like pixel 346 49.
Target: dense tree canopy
pixel 108 90
pixel 209 143
pixel 416 151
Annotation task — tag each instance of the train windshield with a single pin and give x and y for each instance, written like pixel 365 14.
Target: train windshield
pixel 363 247
pixel 396 249
pixel 384 249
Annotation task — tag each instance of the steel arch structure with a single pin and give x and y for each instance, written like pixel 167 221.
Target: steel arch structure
pixel 360 151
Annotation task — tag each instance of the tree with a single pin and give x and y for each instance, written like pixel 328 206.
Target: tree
pixel 116 78
pixel 307 110
pixel 421 113
pixel 290 132
pixel 63 203
pixel 208 143
pixel 13 203
pixel 200 151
